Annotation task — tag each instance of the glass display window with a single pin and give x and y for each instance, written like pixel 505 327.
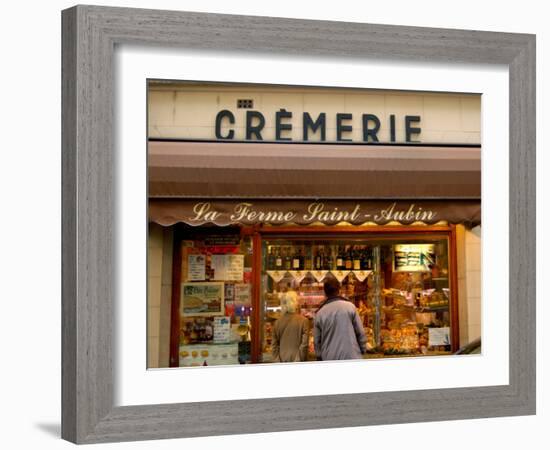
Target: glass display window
pixel 399 285
pixel 231 281
pixel 214 298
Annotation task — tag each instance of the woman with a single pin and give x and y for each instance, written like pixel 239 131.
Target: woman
pixel 291 332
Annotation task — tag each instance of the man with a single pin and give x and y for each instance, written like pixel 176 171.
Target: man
pixel 338 331
pixel 291 332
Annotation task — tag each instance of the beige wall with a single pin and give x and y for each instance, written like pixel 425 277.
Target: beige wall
pixel 159 280
pixel 189 111
pixel 469 283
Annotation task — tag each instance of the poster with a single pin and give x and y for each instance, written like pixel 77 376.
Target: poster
pixel 228 267
pixel 202 299
pixel 243 294
pixel 196 267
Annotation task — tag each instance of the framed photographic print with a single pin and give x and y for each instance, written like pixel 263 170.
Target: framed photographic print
pixel 294 222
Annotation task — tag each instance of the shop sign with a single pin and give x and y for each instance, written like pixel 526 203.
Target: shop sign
pixel 310 125
pixel 329 212
pixel 247 212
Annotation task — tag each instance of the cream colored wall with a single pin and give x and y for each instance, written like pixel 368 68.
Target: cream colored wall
pixel 159 279
pixel 190 111
pixel 469 282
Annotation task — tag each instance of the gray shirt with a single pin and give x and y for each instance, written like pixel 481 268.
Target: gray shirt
pixel 338 331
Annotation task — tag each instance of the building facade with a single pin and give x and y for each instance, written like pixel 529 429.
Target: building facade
pixel 256 190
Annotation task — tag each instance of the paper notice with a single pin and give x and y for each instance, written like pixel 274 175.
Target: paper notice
pixel 222 329
pixel 438 336
pixel 276 275
pixel 340 274
pixel 319 275
pixel 196 265
pixel 298 275
pixel 243 294
pixel 362 275
pixel 228 267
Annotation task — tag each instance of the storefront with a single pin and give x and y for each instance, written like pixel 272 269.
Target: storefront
pixel 236 220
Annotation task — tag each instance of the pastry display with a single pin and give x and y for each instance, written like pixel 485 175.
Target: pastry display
pixel 208 355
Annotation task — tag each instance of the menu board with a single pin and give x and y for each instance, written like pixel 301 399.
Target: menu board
pixel 196 268
pixel 202 299
pixel 228 267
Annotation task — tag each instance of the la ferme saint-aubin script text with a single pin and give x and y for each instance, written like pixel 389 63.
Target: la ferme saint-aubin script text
pixel 255 123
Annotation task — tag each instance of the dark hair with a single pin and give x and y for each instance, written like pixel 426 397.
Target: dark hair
pixel 331 286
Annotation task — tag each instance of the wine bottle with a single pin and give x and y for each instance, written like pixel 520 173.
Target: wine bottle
pixel 287 259
pixel 270 259
pixel 278 259
pixel 308 259
pixel 318 261
pixel 349 259
pixel 339 261
pixel 364 258
pixel 296 263
pixel 356 259
pixel 369 260
pixel 328 260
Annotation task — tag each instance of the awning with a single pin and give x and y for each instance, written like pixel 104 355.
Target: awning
pixel 332 171
pixel 303 212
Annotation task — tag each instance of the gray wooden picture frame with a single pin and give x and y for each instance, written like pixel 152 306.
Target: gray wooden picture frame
pixel 90 34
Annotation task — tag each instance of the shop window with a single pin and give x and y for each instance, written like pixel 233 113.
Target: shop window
pixel 400 287
pixel 215 298
pixel 233 279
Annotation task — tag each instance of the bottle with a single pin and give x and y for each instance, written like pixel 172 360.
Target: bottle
pixel 287 259
pixel 356 259
pixel 302 257
pixel 340 265
pixel 318 259
pixel 296 260
pixel 308 261
pixel 278 259
pixel 270 259
pixel 328 260
pixel 369 260
pixel 363 258
pixel 349 259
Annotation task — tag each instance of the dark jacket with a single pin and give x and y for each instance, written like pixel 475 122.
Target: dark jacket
pixel 338 332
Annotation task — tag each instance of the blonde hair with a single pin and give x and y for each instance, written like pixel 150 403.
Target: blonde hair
pixel 289 303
